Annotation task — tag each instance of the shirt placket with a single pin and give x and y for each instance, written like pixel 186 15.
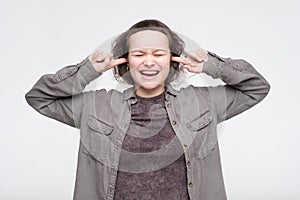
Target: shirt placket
pixel 117 152
pixel 183 140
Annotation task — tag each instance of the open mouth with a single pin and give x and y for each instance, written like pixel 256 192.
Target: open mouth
pixel 149 72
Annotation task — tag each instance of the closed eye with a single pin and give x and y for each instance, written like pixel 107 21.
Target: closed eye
pixel 137 54
pixel 159 54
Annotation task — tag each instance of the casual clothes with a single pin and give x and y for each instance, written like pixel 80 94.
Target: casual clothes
pixel 105 119
pixel 150 131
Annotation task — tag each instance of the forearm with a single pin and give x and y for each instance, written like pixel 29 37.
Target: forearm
pixel 244 87
pixel 237 73
pixel 53 95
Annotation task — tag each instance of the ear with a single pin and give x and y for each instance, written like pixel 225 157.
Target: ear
pixel 175 65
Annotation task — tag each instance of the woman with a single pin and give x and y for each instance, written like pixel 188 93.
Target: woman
pixel 149 141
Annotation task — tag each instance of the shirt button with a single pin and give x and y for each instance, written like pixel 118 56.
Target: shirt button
pixel 167 97
pixel 168 105
pixel 173 122
pixel 190 184
pixel 188 163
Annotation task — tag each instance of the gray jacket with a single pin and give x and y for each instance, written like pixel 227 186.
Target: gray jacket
pixel 104 116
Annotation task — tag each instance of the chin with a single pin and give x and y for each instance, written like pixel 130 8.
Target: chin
pixel 151 86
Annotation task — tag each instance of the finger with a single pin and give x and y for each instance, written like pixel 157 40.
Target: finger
pixel 203 53
pixel 97 56
pixel 108 59
pixel 192 69
pixel 118 62
pixel 101 57
pixel 180 60
pixel 195 56
pixel 188 67
pixel 93 57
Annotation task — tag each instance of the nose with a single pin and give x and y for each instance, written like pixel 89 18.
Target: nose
pixel 149 60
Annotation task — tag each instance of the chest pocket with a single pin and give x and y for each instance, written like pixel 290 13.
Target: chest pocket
pixel 200 122
pixel 202 128
pixel 96 140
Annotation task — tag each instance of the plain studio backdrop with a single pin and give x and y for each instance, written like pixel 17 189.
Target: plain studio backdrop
pixel 259 148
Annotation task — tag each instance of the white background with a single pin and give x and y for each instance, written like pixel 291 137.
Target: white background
pixel 259 148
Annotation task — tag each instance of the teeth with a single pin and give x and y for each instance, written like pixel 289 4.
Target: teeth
pixel 149 72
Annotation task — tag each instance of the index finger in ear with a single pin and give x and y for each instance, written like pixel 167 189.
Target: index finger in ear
pixel 180 60
pixel 118 62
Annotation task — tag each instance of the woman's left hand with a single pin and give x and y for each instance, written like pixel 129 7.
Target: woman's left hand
pixel 194 60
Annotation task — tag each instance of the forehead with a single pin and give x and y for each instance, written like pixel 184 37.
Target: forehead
pixel 148 39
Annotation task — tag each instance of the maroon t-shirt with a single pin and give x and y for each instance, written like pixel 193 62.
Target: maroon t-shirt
pixel 152 164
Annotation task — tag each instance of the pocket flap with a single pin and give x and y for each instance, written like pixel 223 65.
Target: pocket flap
pixel 200 121
pixel 99 126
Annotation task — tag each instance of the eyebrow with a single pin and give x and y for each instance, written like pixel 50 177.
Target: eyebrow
pixel 141 50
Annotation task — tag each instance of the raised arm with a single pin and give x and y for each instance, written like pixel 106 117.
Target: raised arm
pixel 244 87
pixel 60 96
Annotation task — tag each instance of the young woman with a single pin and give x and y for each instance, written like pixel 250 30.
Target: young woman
pixel 149 141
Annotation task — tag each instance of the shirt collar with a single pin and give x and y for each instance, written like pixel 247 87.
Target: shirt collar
pixel 129 93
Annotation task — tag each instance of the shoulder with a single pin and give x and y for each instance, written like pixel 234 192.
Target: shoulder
pixel 193 89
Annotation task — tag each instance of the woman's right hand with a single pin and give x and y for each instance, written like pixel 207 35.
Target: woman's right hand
pixel 103 61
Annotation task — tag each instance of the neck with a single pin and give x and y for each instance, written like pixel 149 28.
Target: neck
pixel 148 93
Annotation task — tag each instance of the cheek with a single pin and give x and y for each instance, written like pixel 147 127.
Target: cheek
pixel 164 61
pixel 134 62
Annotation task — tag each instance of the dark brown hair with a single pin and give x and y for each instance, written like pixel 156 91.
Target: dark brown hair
pixel 120 48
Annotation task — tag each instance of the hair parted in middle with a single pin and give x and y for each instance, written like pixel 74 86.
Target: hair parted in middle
pixel 120 48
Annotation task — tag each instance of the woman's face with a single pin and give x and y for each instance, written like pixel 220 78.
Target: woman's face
pixel 149 61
